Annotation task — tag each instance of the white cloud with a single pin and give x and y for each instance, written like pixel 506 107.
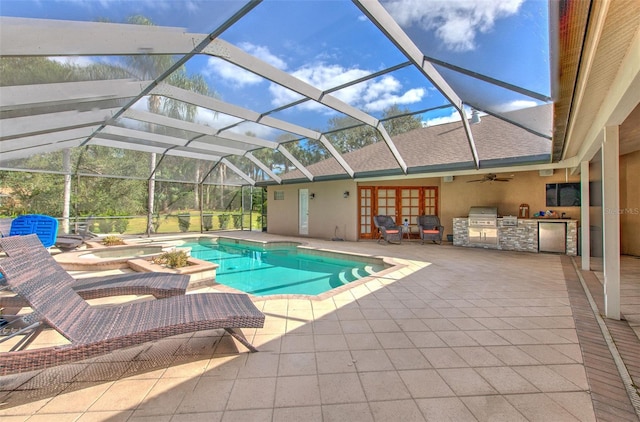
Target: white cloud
pixel 373 95
pixel 236 76
pixel 456 23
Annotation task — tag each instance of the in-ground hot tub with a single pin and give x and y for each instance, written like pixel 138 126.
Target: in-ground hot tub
pixel 108 258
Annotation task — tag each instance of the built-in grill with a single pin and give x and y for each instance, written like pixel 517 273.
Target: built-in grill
pixel 483 225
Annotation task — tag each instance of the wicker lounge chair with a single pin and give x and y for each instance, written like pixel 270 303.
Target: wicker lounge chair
pixel 159 285
pixel 94 331
pixel 430 228
pixel 69 242
pixel 388 230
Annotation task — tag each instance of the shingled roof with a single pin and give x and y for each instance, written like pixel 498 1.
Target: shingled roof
pixel 441 148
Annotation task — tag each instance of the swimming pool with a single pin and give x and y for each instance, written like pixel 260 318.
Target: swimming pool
pixel 279 269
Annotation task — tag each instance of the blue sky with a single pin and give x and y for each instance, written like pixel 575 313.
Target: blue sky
pixel 330 42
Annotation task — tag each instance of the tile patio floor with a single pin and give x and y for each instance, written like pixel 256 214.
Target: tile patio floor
pixel 476 335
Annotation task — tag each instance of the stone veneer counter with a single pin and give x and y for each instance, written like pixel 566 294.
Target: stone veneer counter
pixel 523 237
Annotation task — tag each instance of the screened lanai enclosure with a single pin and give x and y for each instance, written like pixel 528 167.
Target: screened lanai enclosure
pixel 166 116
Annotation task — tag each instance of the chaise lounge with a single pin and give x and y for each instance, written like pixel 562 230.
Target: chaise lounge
pixel 158 285
pixel 94 331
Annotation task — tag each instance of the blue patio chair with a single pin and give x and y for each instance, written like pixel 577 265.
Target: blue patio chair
pixel 44 226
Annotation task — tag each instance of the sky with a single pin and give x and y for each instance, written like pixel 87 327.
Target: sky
pixel 328 43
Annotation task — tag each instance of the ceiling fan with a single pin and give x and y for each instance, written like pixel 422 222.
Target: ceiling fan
pixel 491 177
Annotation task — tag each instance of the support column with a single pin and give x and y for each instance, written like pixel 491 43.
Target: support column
pixel 585 228
pixel 611 221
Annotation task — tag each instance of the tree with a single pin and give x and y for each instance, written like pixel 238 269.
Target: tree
pixel 357 135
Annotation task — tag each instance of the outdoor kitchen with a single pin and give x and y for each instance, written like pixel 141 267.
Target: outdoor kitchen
pixel 484 227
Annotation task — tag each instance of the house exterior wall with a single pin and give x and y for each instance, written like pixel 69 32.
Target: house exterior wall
pixel 630 204
pixel 331 215
pixel 458 196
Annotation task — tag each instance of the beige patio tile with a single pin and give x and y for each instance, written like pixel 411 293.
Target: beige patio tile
pixel 62 417
pixel 477 356
pixel 111 416
pixel 572 351
pixel 297 364
pixel 578 404
pixel 297 391
pixel 466 382
pixel 335 362
pixel 165 397
pixel 364 341
pixel 383 385
pixel 263 364
pixel 516 337
pixel 425 383
pixel 546 354
pixel 443 358
pixel 79 400
pixel 506 381
pixel 545 379
pixel 400 410
pixel 355 327
pixel 327 327
pixel 445 409
pixel 539 407
pixel 371 360
pixel 396 340
pixel 198 417
pixel 201 398
pixel 352 412
pixel 422 339
pixel 493 408
pixel 253 415
pixel 123 395
pixel 407 359
pixel 512 355
pixel 293 343
pixel 328 342
pixel 439 324
pixel 302 413
pixel 252 393
pixel 486 338
pixel 383 325
pixel 340 388
pixel 574 373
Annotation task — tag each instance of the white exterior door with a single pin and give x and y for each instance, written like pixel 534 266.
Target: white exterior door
pixel 303 212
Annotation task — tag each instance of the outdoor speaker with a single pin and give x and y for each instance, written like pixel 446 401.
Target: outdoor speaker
pixel 447 179
pixel 547 172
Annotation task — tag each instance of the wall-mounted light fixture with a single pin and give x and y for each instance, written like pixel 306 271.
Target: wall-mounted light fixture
pixel 345 194
pixel 312 195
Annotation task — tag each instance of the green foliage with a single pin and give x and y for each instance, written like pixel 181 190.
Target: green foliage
pixel 105 225
pixel 121 225
pixel 237 221
pixel 112 241
pixel 207 222
pixel 224 220
pixel 184 221
pixel 172 259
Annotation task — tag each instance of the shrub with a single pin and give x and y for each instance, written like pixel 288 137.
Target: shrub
pixel 172 259
pixel 207 221
pixel 224 220
pixel 112 241
pixel 184 221
pixel 121 225
pixel 105 225
pixel 237 221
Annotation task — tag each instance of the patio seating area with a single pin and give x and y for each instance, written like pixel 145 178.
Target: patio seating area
pixel 458 337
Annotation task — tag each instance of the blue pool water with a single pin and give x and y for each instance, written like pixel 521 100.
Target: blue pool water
pixel 262 272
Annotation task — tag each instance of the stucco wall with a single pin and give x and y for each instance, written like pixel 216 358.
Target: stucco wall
pixel 630 204
pixel 330 213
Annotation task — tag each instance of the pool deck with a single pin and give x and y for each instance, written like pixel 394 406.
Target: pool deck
pixel 460 334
